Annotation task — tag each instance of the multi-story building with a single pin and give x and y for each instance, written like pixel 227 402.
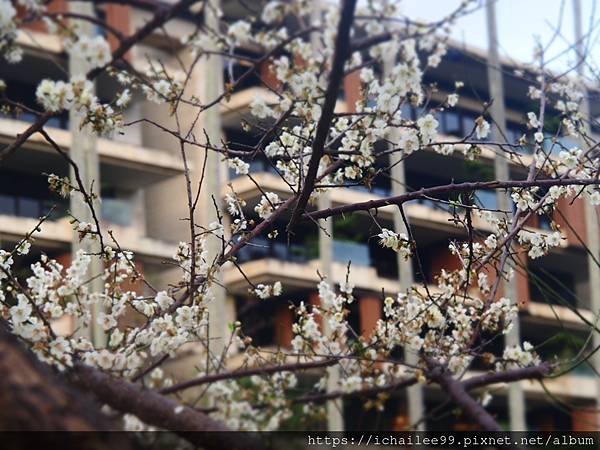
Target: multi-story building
pixel 143 201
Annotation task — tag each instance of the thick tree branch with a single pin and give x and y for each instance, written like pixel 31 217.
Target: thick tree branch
pixel 336 76
pixel 294 367
pixel 526 373
pixel 158 410
pixel 461 397
pixel 33 398
pixel 444 189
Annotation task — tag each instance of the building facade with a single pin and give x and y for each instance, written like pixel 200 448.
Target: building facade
pixel 143 202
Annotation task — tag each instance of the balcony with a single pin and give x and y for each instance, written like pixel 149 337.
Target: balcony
pixel 31 207
pixel 380 262
pixel 262 248
pixel 120 163
pixel 24 198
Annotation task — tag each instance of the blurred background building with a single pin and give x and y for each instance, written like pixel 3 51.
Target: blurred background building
pixel 143 202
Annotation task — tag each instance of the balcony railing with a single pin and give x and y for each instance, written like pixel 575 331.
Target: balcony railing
pixel 382 191
pixel 358 254
pixel 23 206
pixel 117 211
pixel 262 248
pixel 343 251
pixel 483 198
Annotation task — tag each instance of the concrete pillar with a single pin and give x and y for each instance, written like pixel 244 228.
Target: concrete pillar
pixel 65 325
pixel 415 397
pixel 335 418
pixel 84 154
pixel 591 213
pixel 208 78
pixel 516 397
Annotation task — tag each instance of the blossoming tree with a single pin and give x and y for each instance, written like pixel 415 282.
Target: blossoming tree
pixel 315 149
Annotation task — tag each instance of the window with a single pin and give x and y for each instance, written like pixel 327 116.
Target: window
pixel 451 123
pixel 552 286
pixel 407 111
pixel 24 93
pixel 468 123
pixel 29 207
pixel 26 195
pixel 513 134
pixel 487 199
pixel 8 205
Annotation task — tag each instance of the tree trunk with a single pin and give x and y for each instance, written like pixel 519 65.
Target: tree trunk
pixel 33 398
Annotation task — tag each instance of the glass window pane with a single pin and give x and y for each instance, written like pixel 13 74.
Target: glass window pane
pixel 344 251
pixel 407 111
pixel 29 207
pixel 487 199
pixel 451 123
pixel 7 205
pixel 117 211
pixel 468 123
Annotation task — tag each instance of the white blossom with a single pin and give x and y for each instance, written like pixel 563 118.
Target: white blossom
pixel 482 128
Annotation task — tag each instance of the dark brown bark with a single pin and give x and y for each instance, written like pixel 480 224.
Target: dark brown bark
pixel 160 411
pixel 444 189
pixel 235 374
pixel 461 397
pixel 336 76
pixel 34 398
pixel 526 373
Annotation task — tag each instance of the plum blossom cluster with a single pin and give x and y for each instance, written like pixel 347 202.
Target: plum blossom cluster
pixel 240 412
pixel 264 291
pixel 9 22
pixel 519 356
pixel 397 242
pixel 93 51
pixel 54 292
pixel 379 110
pixel 538 244
pixel 267 204
pixel 78 94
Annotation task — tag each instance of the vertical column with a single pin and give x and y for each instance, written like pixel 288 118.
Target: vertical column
pixel 84 153
pixel 208 77
pixel 592 231
pixel 416 401
pixel 516 398
pixel 335 418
